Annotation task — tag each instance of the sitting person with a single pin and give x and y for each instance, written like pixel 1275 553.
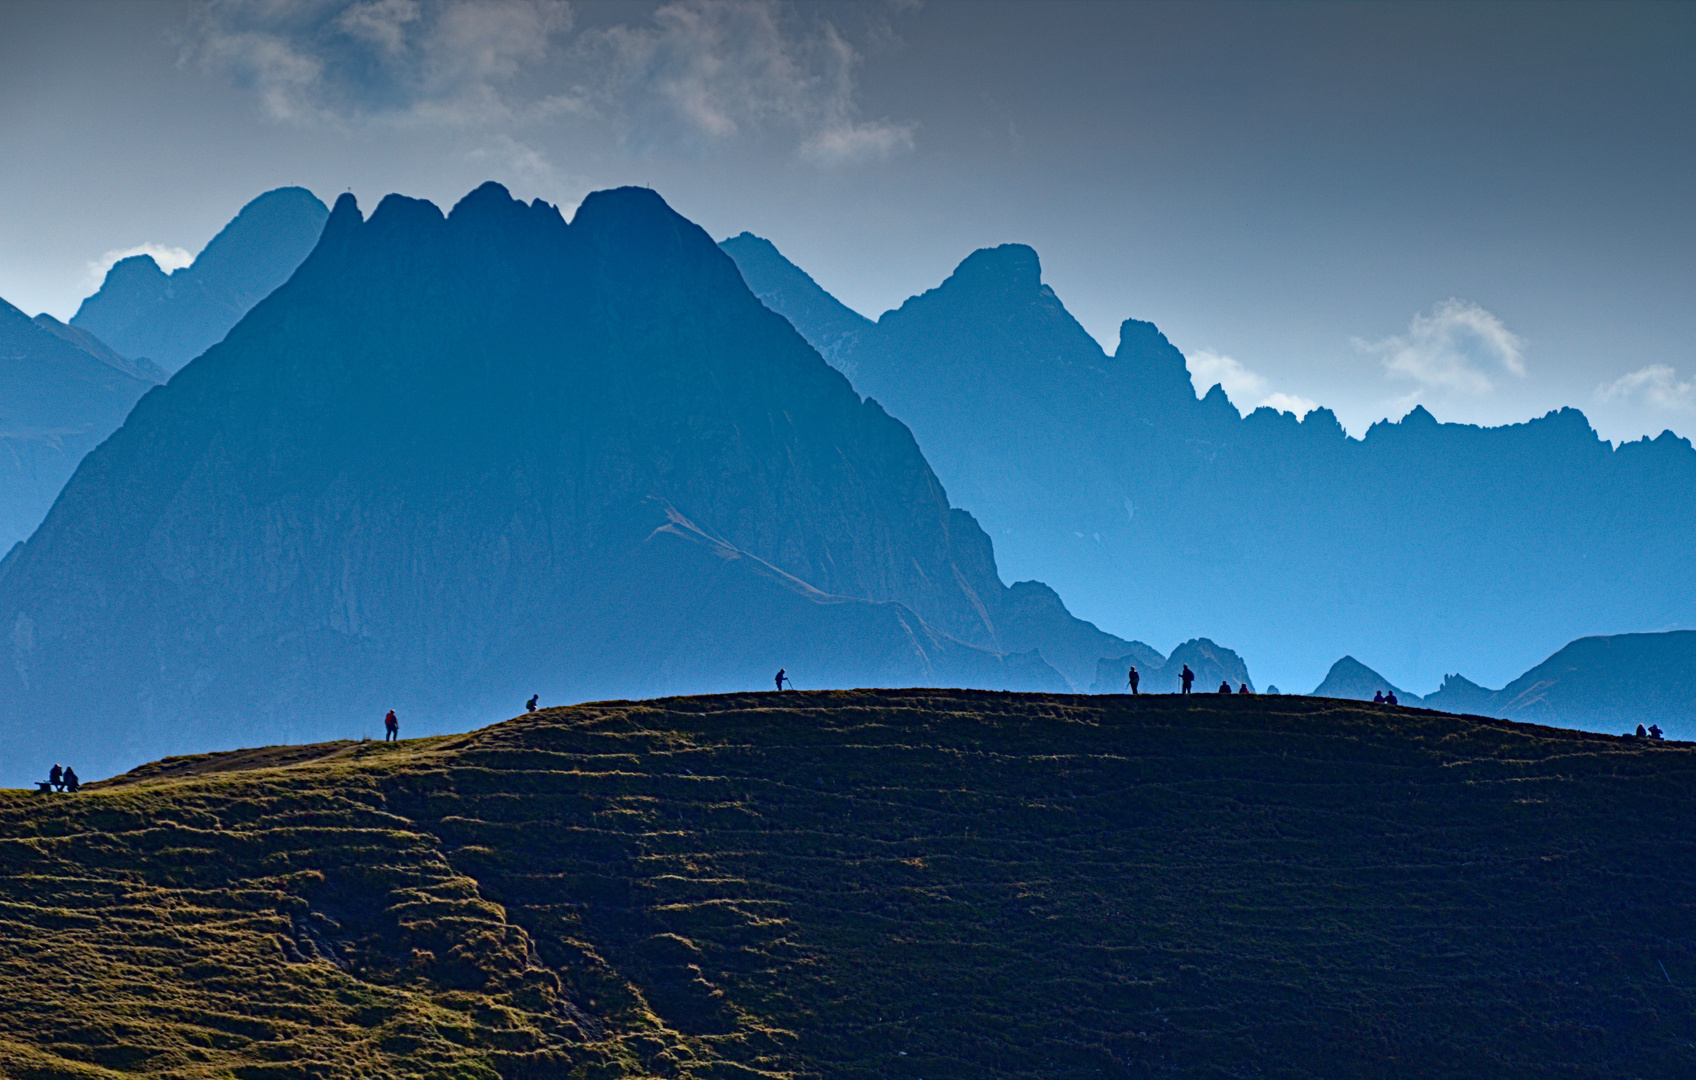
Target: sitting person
pixel 71 782
pixel 1640 732
pixel 1378 698
pixel 1390 698
pixel 1654 731
pixel 1224 687
pixel 56 777
pixel 1243 689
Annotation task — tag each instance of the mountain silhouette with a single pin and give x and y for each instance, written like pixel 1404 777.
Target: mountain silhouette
pixel 1608 683
pixel 171 318
pixel 460 459
pixel 1353 680
pixel 1429 546
pixel 62 391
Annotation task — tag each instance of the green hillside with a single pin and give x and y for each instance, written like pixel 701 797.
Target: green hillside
pixel 866 884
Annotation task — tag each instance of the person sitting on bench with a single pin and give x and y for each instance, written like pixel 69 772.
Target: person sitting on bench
pixel 56 777
pixel 71 782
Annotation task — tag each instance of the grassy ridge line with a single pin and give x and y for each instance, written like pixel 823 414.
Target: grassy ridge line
pixel 926 883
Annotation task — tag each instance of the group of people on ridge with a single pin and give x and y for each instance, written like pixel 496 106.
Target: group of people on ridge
pixel 1654 731
pixel 1187 677
pixel 1381 698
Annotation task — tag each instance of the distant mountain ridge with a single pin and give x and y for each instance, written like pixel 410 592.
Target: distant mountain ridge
pixel 459 459
pixel 1433 547
pixel 171 318
pixel 62 391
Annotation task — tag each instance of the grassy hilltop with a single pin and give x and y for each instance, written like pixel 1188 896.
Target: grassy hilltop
pixel 923 883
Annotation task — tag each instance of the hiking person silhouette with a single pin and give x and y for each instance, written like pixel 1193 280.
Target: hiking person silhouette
pixel 530 705
pixel 1640 732
pixel 391 727
pixel 1378 698
pixel 56 777
pixel 1390 698
pixel 780 678
pixel 1654 731
pixel 1132 679
pixel 71 782
pixel 1188 676
pixel 1243 689
pixel 1224 686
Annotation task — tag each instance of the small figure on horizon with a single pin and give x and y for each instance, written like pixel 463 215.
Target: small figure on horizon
pixel 530 706
pixel 1378 698
pixel 1654 731
pixel 71 782
pixel 1131 681
pixel 1224 686
pixel 1641 734
pixel 56 777
pixel 781 678
pixel 391 727
pixel 1390 698
pixel 1243 689
pixel 1188 676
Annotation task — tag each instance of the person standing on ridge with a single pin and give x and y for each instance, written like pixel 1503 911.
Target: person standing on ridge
pixel 781 678
pixel 1188 676
pixel 391 727
pixel 1131 681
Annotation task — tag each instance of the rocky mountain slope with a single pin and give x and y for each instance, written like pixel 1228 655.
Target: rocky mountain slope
pixel 62 392
pixel 171 318
pixel 1427 547
pixel 459 459
pixel 869 884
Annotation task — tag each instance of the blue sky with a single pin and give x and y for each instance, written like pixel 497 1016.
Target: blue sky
pixel 1487 209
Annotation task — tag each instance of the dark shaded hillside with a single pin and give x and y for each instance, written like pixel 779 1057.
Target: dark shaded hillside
pixel 1424 547
pixel 460 459
pixel 172 318
pixel 869 884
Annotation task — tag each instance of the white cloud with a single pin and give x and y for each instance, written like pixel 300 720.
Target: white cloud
pixel 458 62
pixel 713 70
pixel 167 259
pixel 1656 384
pixel 1240 384
pixel 1458 347
pixel 697 72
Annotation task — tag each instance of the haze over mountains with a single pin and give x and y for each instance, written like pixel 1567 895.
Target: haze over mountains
pixel 61 392
pixel 455 461
pixel 171 318
pixel 1421 548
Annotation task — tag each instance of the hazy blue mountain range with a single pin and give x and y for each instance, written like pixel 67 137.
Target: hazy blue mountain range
pixel 1349 678
pixel 171 318
pixel 457 460
pixel 62 391
pixel 1423 547
pixel 1608 684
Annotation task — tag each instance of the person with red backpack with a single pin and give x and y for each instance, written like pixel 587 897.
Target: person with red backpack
pixel 391 727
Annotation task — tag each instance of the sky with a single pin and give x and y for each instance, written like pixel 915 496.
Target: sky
pixel 1486 209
